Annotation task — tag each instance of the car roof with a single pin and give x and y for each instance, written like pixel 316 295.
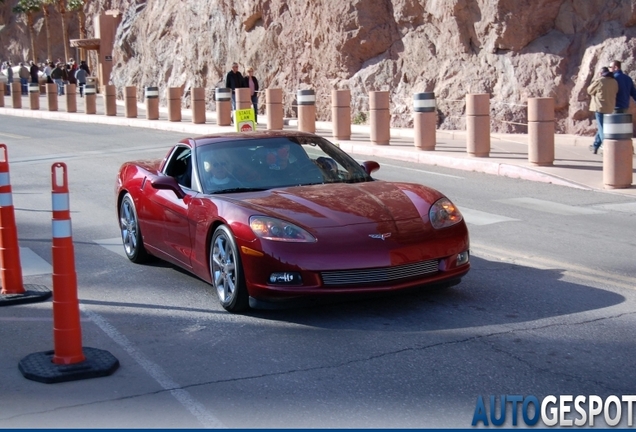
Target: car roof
pixel 224 137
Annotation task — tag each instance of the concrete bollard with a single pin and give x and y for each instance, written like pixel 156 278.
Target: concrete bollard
pixel 152 103
pixel 341 114
pixel 425 121
pixel 173 95
pixel 42 89
pixel 130 106
pixel 306 110
pixel 16 94
pixel 478 124
pixel 380 117
pixel 51 96
pixel 541 131
pixel 223 97
pixel 618 150
pixel 90 96
pixel 2 90
pixel 70 90
pixel 198 105
pixel 243 98
pixel 274 108
pixel 110 100
pixel 34 96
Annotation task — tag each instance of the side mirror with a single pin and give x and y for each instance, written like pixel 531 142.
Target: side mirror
pixel 167 183
pixel 370 166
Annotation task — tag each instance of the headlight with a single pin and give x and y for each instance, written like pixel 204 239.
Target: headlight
pixel 444 214
pixel 270 228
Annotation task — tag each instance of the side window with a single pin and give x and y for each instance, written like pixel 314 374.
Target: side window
pixel 179 166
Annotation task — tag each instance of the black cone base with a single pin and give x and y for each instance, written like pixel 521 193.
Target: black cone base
pixel 40 367
pixel 31 294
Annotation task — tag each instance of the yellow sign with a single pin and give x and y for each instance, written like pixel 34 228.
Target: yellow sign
pixel 245 121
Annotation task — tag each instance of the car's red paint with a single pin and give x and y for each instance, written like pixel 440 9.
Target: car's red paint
pixel 177 225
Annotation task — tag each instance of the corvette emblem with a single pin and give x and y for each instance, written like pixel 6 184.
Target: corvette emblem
pixel 380 236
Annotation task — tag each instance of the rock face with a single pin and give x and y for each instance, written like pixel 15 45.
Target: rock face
pixel 511 49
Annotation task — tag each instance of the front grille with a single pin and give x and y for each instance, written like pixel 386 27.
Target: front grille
pixel 379 275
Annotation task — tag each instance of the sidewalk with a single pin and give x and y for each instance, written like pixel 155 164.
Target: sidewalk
pixel 574 164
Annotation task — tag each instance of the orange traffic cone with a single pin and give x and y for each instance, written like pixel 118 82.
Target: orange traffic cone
pixel 68 361
pixel 67 334
pixel 10 267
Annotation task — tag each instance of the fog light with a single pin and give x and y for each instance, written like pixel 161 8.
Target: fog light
pixel 285 278
pixel 462 258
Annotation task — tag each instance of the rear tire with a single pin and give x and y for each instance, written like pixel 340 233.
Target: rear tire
pixel 130 232
pixel 226 271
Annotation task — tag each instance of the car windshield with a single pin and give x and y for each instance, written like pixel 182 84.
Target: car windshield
pixel 267 163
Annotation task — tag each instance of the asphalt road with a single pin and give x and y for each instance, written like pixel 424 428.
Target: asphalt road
pixel 548 308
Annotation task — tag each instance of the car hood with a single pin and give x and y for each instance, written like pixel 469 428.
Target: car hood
pixel 341 204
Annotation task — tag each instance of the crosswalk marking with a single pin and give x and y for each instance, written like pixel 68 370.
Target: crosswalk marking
pixel 112 244
pixel 32 264
pixel 551 207
pixel 477 217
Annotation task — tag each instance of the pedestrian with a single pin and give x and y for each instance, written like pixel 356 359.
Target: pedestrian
pixel 234 80
pixel 24 75
pixel 57 75
pixel 603 92
pixel 84 66
pixel 251 82
pixel 625 88
pixel 33 71
pixel 80 76
pixel 9 77
pixel 48 68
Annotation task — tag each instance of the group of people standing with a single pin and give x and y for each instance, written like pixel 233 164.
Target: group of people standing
pixel 610 94
pixel 59 73
pixel 235 79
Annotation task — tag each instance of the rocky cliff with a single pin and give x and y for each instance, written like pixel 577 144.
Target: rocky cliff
pixel 512 49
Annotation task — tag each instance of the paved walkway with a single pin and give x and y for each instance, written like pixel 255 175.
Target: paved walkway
pixel 574 164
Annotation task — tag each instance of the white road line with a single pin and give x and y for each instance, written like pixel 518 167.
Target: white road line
pixel 476 217
pixel 422 171
pixel 13 136
pixel 206 418
pixel 623 207
pixel 32 264
pixel 550 207
pixel 112 244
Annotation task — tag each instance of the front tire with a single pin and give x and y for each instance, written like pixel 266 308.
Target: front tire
pixel 226 271
pixel 130 232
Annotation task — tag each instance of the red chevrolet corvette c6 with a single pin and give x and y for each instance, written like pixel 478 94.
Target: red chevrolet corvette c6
pixel 269 218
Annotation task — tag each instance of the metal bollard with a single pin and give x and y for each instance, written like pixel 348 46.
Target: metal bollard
pixel 110 100
pixel 274 108
pixel 198 105
pixel 174 104
pixel 341 114
pixel 618 150
pixel 223 97
pixel 380 117
pixel 306 110
pixel 16 94
pixel 425 121
pixel 51 96
pixel 90 96
pixel 34 96
pixel 478 124
pixel 541 131
pixel 70 90
pixel 130 106
pixel 152 103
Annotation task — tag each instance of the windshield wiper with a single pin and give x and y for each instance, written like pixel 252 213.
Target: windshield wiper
pixel 239 189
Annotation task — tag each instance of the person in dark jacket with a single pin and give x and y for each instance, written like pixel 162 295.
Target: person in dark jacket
pixel 234 80
pixel 33 71
pixel 251 82
pixel 625 88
